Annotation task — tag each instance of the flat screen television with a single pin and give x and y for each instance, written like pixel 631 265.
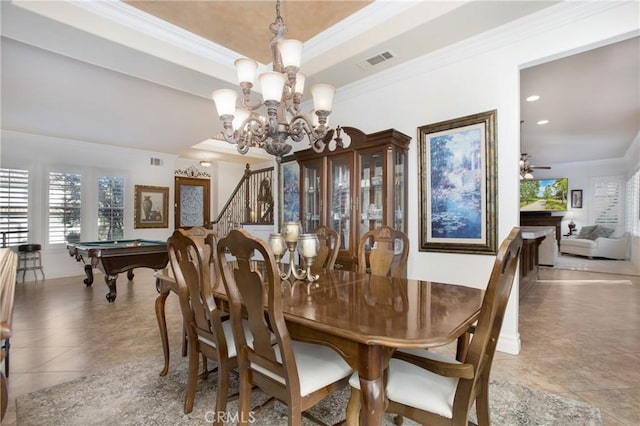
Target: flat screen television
pixel 543 195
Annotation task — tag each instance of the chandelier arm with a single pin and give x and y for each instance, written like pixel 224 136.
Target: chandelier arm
pixel 246 97
pixel 253 128
pixel 227 130
pixel 293 107
pixel 301 125
pixel 247 106
pixel 243 147
pixel 252 132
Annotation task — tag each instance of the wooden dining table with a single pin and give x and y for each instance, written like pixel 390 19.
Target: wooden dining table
pixel 366 318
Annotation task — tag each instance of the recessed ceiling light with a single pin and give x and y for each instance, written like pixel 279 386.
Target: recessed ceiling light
pixel 533 98
pixel 542 122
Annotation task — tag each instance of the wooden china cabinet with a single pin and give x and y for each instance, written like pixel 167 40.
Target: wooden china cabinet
pixel 355 189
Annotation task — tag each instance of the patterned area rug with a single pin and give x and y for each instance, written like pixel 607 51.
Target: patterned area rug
pixel 134 394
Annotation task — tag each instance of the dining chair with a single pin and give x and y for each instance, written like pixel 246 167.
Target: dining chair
pixel 208 333
pixel 296 373
pixel 328 251
pixel 383 251
pixel 434 389
pixel 8 270
pixel 200 233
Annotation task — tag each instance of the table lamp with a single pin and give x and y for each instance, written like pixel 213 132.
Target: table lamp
pixel 572 224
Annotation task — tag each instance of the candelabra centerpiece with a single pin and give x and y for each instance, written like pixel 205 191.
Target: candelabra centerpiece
pixel 308 247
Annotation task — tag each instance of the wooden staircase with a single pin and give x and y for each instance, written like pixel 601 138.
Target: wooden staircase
pixel 251 202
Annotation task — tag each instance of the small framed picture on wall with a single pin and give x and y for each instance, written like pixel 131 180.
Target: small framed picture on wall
pixel 576 198
pixel 151 209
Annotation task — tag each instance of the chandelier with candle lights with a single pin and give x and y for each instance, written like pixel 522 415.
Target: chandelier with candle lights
pixel 282 91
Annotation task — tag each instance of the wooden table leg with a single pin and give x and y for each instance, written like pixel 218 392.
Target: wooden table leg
pixel 162 325
pixel 373 361
pixel 372 409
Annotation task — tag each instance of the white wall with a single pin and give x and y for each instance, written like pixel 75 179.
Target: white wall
pixel 473 76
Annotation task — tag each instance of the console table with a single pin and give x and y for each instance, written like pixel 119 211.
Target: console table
pixel 542 220
pixel 529 258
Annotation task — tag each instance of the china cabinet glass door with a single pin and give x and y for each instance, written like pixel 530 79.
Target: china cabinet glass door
pixel 340 206
pixel 399 196
pixel 311 196
pixel 362 186
pixel 371 192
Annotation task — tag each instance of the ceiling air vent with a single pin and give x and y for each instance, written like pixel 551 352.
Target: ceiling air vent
pixel 376 60
pixel 156 161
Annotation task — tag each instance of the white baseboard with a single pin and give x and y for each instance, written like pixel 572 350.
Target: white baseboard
pixel 509 344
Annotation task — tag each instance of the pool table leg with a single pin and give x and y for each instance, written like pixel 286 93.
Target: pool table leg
pixel 88 270
pixel 110 280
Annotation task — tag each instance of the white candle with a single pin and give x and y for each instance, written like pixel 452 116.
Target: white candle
pixel 290 231
pixel 277 244
pixel 309 245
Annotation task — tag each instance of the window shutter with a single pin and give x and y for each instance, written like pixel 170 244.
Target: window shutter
pixel 110 208
pixel 14 205
pixel 64 207
pixel 633 204
pixel 605 201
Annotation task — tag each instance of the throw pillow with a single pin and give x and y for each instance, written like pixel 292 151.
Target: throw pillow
pixel 585 231
pixel 600 231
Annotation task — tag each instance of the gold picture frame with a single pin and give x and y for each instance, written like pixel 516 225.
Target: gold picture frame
pixel 151 207
pixel 458 185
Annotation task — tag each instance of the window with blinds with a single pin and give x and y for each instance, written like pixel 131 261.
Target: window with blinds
pixel 110 208
pixel 64 207
pixel 605 201
pixel 14 206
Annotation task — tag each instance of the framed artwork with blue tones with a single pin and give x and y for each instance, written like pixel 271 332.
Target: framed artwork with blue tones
pixel 289 190
pixel 457 162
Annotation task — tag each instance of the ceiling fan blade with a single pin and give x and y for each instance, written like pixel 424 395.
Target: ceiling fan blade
pixel 541 167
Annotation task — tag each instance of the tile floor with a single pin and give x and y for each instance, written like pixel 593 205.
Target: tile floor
pixel 580 336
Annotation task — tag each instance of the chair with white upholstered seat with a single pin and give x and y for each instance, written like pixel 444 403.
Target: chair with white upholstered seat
pixel 296 373
pixel 208 332
pixel 8 262
pixel 434 389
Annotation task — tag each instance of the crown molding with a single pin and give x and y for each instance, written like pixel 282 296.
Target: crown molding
pixel 149 25
pixel 552 18
pixel 125 25
pixel 366 19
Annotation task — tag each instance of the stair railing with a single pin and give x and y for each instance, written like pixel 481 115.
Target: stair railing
pixel 251 202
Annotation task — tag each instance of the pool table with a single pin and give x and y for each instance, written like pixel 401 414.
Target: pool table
pixel 114 257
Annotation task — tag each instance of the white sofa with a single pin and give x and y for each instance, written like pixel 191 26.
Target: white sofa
pixel 609 248
pixel 548 249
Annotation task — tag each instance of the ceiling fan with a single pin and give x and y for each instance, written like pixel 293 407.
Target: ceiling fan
pixel 526 168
